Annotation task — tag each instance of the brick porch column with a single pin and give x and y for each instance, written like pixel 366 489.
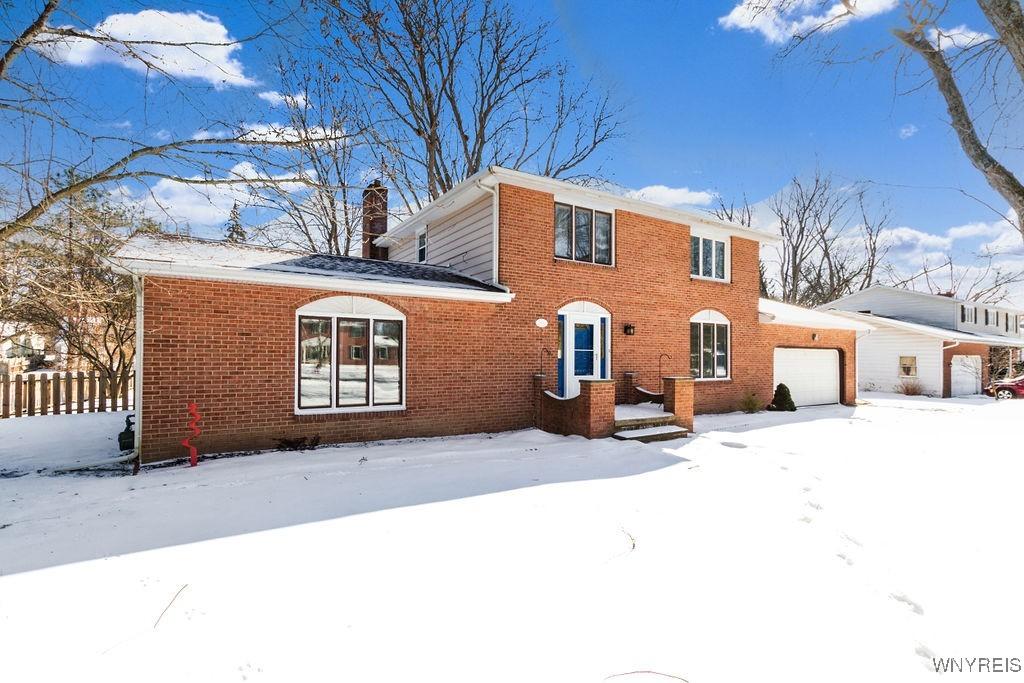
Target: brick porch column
pixel 631 378
pixel 595 408
pixel 679 399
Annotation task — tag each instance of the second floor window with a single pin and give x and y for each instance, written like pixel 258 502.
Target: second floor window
pixel 583 234
pixel 708 258
pixel 968 314
pixel 421 246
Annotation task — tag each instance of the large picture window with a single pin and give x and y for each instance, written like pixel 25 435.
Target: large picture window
pixel 350 361
pixel 583 234
pixel 709 345
pixel 709 257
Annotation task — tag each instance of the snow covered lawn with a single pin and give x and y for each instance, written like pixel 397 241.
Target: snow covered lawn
pixel 830 544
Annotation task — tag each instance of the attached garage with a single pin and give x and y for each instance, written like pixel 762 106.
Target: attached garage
pixel 965 375
pixel 812 375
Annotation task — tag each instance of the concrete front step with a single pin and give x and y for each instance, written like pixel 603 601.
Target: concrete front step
pixel 643 422
pixel 648 434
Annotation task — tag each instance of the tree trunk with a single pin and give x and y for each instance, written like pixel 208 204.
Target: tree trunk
pixel 998 176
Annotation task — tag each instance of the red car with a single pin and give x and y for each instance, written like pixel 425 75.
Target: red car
pixel 1007 388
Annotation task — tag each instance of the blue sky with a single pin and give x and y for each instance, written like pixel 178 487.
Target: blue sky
pixel 708 108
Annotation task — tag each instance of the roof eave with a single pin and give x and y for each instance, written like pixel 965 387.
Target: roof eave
pixel 328 283
pixel 494 175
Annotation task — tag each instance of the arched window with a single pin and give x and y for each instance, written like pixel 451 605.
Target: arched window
pixel 350 356
pixel 709 346
pixel 584 345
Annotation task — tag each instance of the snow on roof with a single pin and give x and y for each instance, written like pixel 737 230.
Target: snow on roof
pixel 944 333
pixel 174 255
pixel 778 313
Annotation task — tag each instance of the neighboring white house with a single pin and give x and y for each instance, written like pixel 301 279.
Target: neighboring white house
pixel 940 343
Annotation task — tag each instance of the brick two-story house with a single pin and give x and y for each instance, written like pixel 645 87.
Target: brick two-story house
pixel 511 301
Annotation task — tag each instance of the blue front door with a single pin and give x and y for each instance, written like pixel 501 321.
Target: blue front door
pixel 583 350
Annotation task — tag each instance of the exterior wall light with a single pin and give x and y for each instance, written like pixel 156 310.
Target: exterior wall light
pixel 814 336
pixel 629 329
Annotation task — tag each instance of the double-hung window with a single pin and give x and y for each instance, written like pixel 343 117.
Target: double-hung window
pixel 349 362
pixel 583 234
pixel 908 366
pixel 421 246
pixel 709 345
pixel 968 314
pixel 709 257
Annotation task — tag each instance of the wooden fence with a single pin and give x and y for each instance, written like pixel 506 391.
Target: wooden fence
pixel 56 393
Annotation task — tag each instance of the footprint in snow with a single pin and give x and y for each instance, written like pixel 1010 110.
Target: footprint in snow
pixel 844 558
pixel 812 504
pixel 917 609
pixel 851 539
pixel 806 520
pixel 733 444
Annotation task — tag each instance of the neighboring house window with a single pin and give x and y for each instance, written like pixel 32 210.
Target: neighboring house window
pixel 968 314
pixel 583 234
pixel 908 366
pixel 421 246
pixel 357 377
pixel 709 257
pixel 709 345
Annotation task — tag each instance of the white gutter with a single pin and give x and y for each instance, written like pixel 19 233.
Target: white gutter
pixel 335 284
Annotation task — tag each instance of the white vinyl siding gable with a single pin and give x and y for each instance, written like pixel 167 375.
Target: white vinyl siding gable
pixel 878 360
pixel 909 306
pixel 463 240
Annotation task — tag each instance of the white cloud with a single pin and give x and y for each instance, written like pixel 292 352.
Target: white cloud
pixel 672 196
pixel 162 135
pixel 780 20
pixel 211 63
pixel 977 229
pixel 959 37
pixel 908 131
pixel 271 132
pixel 276 99
pixel 910 244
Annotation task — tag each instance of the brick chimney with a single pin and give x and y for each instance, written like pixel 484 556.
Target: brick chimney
pixel 375 219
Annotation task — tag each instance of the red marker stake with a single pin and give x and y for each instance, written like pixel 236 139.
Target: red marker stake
pixel 193 454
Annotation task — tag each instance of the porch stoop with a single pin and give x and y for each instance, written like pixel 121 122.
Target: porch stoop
pixel 646 422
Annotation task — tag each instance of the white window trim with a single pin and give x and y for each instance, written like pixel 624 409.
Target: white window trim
pixel 422 232
pixel 593 228
pixel 716 318
pixel 334 308
pixel 714 236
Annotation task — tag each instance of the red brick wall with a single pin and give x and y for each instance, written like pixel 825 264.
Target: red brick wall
pixel 590 414
pixel 470 366
pixel 231 348
pixel 963 350
pixel 649 286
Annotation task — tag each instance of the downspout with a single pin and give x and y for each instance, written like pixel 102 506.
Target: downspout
pixel 140 288
pixel 494 232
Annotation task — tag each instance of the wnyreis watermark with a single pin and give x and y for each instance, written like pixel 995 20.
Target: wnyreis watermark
pixel 992 665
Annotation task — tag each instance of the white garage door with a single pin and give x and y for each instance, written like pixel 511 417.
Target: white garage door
pixel 812 375
pixel 965 375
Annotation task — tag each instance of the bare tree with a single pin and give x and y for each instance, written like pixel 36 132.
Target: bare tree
pixel 833 239
pixel 66 290
pixel 327 216
pixel 985 281
pixel 66 150
pixel 987 70
pixel 454 86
